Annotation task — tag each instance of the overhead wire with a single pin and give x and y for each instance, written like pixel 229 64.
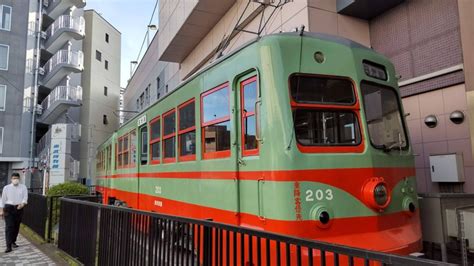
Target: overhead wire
pixel 146 33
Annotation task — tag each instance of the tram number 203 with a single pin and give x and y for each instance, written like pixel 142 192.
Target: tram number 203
pixel 319 194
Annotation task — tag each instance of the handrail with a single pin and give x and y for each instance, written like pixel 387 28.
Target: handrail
pixel 66 22
pixel 64 57
pixel 62 93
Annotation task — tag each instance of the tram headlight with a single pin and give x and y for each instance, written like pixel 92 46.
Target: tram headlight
pixel 380 194
pixel 376 194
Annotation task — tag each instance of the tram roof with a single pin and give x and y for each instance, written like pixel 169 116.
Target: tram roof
pixel 322 36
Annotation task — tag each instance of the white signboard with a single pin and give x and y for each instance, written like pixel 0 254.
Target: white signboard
pixel 141 120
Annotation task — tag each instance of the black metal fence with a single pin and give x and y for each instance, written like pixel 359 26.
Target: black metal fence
pixel 35 213
pixel 108 235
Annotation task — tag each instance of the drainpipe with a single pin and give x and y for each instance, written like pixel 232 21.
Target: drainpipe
pixel 39 21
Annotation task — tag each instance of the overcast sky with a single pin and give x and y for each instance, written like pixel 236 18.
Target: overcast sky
pixel 131 18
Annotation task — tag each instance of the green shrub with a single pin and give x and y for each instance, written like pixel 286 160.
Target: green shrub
pixel 69 188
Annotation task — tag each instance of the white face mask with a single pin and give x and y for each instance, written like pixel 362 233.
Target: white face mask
pixel 16 181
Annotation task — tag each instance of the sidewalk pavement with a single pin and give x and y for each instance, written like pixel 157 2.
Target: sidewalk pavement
pixel 25 254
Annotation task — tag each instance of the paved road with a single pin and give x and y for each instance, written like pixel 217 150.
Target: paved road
pixel 26 254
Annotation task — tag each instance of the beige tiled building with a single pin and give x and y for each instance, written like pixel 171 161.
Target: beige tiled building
pixel 427 40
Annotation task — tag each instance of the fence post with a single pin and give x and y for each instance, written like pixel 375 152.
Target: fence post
pixel 207 248
pixel 50 219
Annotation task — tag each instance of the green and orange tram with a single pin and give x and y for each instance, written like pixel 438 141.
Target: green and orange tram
pixel 301 134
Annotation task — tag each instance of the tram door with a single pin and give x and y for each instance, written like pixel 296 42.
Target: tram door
pixel 248 99
pixel 142 154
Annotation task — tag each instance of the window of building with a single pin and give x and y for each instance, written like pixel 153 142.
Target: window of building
pixel 138 104
pixel 215 122
pixel 3 97
pixel 98 55
pixel 147 95
pixel 105 120
pixel 166 88
pixel 155 135
pixel 249 95
pixel 169 136
pixel 187 131
pixel 4 54
pixel 105 90
pixel 158 88
pixel 142 100
pixel 106 65
pixel 5 17
pixel 107 38
pixel 1 139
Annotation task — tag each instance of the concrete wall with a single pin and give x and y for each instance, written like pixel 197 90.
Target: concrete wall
pixel 145 76
pixel 15 138
pixel 94 78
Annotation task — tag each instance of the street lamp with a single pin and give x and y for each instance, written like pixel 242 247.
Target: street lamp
pixel 131 67
pixel 150 27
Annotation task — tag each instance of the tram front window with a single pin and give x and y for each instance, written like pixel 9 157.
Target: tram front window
pixel 326 128
pixel 384 118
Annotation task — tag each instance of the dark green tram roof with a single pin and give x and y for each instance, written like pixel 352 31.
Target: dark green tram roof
pixel 322 36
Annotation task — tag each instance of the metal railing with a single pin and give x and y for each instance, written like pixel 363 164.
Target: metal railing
pixel 66 22
pixel 35 213
pixel 64 57
pixel 62 93
pixel 98 234
pixel 43 143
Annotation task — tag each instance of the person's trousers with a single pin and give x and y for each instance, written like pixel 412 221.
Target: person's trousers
pixel 12 223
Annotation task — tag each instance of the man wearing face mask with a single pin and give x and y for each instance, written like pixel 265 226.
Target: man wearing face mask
pixel 14 198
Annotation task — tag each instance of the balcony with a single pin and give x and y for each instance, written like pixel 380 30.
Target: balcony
pixel 60 65
pixel 62 30
pixel 365 9
pixel 58 101
pixel 55 8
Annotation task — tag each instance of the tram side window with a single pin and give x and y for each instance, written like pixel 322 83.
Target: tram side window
pixel 169 136
pixel 144 146
pixel 216 122
pixel 249 94
pixel 155 135
pixel 133 147
pixel 187 131
pixel 123 151
pixel 119 153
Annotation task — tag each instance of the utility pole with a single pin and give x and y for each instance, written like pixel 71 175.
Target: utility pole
pixel 39 20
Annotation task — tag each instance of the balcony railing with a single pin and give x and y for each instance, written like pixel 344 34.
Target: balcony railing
pixel 64 57
pixel 66 22
pixel 44 143
pixel 62 93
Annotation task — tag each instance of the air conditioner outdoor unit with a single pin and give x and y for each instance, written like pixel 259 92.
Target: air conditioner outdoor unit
pixel 41 71
pixel 39 109
pixel 44 35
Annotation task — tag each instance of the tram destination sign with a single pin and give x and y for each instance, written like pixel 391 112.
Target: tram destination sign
pixel 374 70
pixel 141 120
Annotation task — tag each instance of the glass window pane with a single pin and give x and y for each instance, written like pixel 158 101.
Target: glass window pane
pixel 144 144
pixel 125 143
pixel 125 158
pixel 155 151
pixel 169 146
pixel 169 124
pixel 383 116
pixel 217 137
pixel 306 89
pixel 187 143
pixel 186 116
pixel 319 128
pixel 3 91
pixel 133 146
pixel 3 57
pixel 155 130
pixel 250 96
pixel 120 160
pixel 6 18
pixel 216 105
pixel 250 133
